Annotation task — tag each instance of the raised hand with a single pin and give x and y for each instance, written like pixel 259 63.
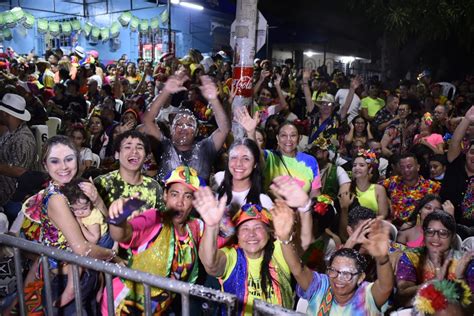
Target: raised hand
pixel 448 207
pixel 289 190
pixel 283 218
pixel 243 117
pixel 306 75
pixel 277 80
pixel 470 114
pixel 356 82
pixel 265 74
pixel 174 84
pixel 208 207
pixel 208 88
pixel 346 199
pixel 463 263
pixel 377 240
pixel 89 189
pixel 357 237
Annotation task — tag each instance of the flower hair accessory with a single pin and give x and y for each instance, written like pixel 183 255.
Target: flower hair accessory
pixel 369 156
pixel 436 295
pixel 323 203
pixel 427 118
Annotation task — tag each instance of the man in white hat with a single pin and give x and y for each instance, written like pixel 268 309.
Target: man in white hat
pixel 17 148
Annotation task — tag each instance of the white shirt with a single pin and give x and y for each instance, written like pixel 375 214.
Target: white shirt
pixel 240 198
pixel 354 108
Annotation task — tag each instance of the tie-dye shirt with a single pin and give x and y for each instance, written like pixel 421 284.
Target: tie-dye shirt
pixel 361 304
pixel 303 168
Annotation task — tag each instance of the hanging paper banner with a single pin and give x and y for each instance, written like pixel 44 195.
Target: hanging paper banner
pixel 42 26
pixel 54 28
pixel 125 18
pixel 76 25
pixel 155 24
pixel 18 14
pixel 164 16
pixel 115 30
pixel 95 33
pixel 134 24
pixel 88 28
pixel 9 19
pixel 2 21
pixel 66 28
pixel 144 26
pixel 105 34
pixel 7 34
pixel 29 21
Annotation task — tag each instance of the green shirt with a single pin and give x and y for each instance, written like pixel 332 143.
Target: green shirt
pixel 372 105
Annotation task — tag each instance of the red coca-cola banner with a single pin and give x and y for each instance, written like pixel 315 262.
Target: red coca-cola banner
pixel 242 81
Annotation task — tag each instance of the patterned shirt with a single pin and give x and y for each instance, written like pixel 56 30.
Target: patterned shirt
pixel 382 116
pixel 17 148
pixel 404 198
pixel 112 186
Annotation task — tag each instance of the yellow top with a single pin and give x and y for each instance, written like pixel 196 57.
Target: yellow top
pixel 368 198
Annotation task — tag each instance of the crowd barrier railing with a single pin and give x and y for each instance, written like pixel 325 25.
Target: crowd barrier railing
pixel 109 269
pixel 263 308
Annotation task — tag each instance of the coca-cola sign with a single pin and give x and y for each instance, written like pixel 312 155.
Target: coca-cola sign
pixel 242 81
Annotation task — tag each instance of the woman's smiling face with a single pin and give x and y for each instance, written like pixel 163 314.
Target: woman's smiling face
pixel 61 164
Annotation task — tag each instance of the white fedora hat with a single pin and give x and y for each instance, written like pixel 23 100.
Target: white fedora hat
pixel 15 105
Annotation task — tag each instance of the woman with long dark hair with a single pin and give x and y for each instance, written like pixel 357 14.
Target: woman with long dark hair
pixel 241 182
pixel 411 233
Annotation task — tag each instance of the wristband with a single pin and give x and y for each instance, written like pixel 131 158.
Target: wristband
pixel 305 208
pixel 287 242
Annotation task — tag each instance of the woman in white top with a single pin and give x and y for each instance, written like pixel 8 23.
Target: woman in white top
pixel 241 181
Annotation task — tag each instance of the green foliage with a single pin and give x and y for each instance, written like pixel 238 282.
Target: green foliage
pixel 430 19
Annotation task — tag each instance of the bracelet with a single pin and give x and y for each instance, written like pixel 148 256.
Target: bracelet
pixel 305 208
pixel 384 263
pixel 287 242
pixel 112 256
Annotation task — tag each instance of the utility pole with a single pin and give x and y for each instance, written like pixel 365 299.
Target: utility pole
pixel 169 27
pixel 243 35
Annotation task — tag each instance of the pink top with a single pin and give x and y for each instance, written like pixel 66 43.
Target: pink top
pixel 433 139
pixel 419 242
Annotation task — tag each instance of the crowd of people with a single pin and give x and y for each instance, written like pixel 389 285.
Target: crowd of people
pixel 344 197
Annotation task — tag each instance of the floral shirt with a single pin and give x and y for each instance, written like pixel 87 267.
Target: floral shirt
pixel 404 198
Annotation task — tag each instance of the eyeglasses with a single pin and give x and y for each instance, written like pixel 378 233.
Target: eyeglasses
pixel 345 275
pixel 442 233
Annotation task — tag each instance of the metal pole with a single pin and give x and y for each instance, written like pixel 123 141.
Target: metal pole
pixel 268 35
pixel 169 27
pixel 19 281
pixel 244 30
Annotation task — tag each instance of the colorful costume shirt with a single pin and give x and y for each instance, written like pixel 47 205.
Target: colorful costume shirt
pixel 303 168
pixel 361 304
pixel 156 248
pixel 414 266
pixel 112 186
pixel 242 278
pixel 404 198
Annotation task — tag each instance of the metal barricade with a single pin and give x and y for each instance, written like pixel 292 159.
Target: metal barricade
pixel 109 269
pixel 263 308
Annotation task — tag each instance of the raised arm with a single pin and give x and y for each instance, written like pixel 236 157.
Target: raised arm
pixel 210 92
pixel 211 211
pixel 283 218
pixel 377 244
pixel 283 104
pixel 455 144
pixel 355 83
pixel 124 231
pixel 67 224
pixel 173 84
pixel 307 91
pixel 264 74
pixel 294 196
